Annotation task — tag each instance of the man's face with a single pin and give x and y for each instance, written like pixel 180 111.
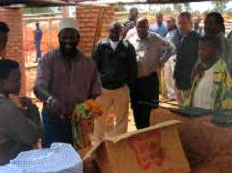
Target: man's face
pixel 37 25
pixel 196 23
pixel 12 84
pixel 114 32
pixel 142 29
pixel 159 18
pixel 3 40
pixel 69 39
pixel 170 24
pixel 185 25
pixel 133 14
pixel 211 26
pixel 206 52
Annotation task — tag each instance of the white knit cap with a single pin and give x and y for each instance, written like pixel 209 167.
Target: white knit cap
pixel 68 23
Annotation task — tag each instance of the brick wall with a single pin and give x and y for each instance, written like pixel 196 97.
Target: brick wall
pixel 94 22
pixel 14 49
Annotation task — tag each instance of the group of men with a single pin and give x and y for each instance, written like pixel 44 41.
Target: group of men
pixel 124 69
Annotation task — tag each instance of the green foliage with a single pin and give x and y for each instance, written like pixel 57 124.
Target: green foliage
pixel 121 8
pixel 187 7
pixel 178 7
pixel 166 10
pixel 196 12
pixel 228 11
pixel 219 6
pixel 37 10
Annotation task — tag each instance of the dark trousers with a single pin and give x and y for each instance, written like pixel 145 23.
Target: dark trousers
pixel 146 90
pixel 56 130
pixel 38 51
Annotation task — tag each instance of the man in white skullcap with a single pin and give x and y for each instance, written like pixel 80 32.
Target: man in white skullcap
pixel 65 77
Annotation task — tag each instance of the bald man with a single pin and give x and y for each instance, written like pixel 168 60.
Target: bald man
pixel 151 51
pixel 133 16
pixel 116 63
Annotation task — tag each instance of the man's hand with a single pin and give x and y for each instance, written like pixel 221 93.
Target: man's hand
pixel 55 106
pixel 31 109
pixel 27 103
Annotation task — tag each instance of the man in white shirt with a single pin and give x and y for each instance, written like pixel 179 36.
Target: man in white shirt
pixel 151 52
pixel 170 64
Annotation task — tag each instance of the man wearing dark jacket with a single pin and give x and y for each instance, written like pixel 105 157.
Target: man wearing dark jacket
pixel 116 63
pixel 187 53
pixel 4 30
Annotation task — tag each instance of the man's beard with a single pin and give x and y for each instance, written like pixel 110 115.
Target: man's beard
pixel 70 53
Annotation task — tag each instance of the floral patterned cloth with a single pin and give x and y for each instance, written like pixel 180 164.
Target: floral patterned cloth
pixel 222 85
pixel 221 96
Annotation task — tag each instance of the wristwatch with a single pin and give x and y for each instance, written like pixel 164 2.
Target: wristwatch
pixel 49 99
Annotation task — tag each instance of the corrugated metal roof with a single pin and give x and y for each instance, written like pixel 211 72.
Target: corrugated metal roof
pixel 147 1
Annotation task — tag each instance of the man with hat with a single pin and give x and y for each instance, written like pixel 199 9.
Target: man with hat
pixel 65 77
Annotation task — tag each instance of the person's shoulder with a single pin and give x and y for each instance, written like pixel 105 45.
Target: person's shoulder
pixel 195 35
pixel 103 41
pixel 126 22
pixel 52 53
pixel 7 107
pixel 164 25
pixel 126 43
pixel 84 58
pixel 154 36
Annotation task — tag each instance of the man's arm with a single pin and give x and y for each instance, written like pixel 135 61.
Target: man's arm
pixel 167 50
pixel 132 66
pixel 97 56
pixel 95 87
pixel 43 77
pixel 44 73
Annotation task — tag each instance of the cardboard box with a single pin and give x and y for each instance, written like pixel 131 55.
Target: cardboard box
pixel 206 145
pixel 156 149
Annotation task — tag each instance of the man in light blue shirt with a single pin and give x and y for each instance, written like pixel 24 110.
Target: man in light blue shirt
pixel 159 27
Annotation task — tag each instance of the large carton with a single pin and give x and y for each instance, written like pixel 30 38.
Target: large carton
pixel 207 146
pixel 156 149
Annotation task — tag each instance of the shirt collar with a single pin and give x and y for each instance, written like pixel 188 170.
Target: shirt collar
pixel 221 34
pixel 107 42
pixel 139 39
pixel 76 58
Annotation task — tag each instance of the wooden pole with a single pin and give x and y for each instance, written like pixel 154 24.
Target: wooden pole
pixel 65 12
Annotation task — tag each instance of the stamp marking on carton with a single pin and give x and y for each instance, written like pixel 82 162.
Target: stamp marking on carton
pixel 148 152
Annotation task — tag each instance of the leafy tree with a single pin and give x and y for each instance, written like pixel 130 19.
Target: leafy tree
pixel 196 12
pixel 187 7
pixel 37 10
pixel 178 7
pixel 219 6
pixel 229 11
pixel 166 10
pixel 121 8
